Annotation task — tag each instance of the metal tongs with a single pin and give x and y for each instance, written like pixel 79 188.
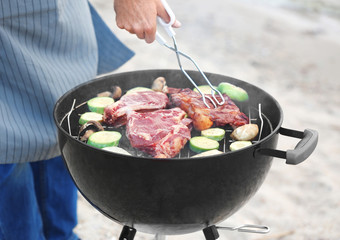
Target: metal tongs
pixel 169 30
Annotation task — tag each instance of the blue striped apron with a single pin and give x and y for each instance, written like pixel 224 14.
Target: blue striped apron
pixel 46 48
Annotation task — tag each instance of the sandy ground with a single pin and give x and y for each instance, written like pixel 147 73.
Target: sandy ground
pixel 293 53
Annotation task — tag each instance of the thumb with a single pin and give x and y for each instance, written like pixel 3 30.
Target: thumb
pixel 177 24
pixel 162 13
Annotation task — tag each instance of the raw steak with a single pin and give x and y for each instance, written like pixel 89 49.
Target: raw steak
pixel 203 118
pixel 115 114
pixel 161 133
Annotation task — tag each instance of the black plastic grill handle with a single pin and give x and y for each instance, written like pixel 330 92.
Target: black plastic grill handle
pixel 302 150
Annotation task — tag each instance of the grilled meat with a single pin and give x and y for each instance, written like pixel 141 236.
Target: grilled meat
pixel 203 118
pixel 161 133
pixel 115 114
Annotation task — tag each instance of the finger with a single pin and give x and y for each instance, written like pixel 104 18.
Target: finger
pixel 140 35
pixel 119 24
pixel 149 38
pixel 177 24
pixel 150 32
pixel 161 12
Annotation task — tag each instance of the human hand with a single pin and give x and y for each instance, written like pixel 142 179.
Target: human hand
pixel 140 17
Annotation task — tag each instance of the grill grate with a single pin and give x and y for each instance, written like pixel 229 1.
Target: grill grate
pixel 255 116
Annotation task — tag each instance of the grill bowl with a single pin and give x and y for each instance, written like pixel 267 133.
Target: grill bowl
pixel 166 196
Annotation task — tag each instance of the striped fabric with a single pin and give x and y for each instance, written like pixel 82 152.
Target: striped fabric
pixel 46 48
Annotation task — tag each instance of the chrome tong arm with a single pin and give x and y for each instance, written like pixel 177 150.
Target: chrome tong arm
pixel 169 30
pixel 213 89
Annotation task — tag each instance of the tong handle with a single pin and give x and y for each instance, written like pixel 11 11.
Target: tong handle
pixel 167 26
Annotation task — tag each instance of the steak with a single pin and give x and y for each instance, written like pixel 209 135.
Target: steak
pixel 161 133
pixel 115 114
pixel 203 118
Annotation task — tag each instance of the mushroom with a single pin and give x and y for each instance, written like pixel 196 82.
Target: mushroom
pixel 104 94
pixel 116 92
pixel 246 132
pixel 159 85
pixel 88 129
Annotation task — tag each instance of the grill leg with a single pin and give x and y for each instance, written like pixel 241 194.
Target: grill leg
pixel 211 233
pixel 160 237
pixel 128 233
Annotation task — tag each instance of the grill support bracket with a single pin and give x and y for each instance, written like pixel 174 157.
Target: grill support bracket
pixel 128 233
pixel 211 233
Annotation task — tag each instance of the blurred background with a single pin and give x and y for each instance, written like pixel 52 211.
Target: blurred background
pixel 289 48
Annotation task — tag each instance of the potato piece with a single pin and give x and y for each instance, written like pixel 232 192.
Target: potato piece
pixel 159 85
pixel 246 132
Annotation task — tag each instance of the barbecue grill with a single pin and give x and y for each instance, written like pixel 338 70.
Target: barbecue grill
pixel 178 195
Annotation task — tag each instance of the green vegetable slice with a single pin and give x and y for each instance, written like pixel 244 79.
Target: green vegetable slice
pixel 234 92
pixel 88 116
pixel 206 89
pixel 116 150
pixel 138 89
pixel 104 139
pixel 201 144
pixel 214 133
pixel 208 153
pixel 98 104
pixel 239 144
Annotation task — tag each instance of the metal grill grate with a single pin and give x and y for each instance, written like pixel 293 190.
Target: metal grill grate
pixel 255 116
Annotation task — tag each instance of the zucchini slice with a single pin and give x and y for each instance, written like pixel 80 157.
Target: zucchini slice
pixel 138 89
pixel 201 144
pixel 104 139
pixel 214 133
pixel 116 150
pixel 239 144
pixel 206 89
pixel 208 153
pixel 98 104
pixel 88 116
pixel 234 92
